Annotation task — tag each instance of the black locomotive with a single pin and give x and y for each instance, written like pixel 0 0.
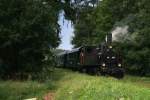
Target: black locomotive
pixel 102 59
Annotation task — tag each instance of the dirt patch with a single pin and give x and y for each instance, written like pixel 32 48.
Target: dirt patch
pixel 49 96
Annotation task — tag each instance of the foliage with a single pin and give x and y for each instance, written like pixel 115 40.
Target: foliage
pixel 28 28
pixel 95 22
pixel 135 48
pixel 84 32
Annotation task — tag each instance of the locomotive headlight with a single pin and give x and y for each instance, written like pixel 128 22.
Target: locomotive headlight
pixel 110 46
pixel 103 64
pixel 108 57
pixel 119 65
pixel 113 57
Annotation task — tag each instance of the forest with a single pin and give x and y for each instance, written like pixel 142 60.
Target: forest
pixel 30 34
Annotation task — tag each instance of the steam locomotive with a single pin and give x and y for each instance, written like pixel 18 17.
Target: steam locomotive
pixel 101 60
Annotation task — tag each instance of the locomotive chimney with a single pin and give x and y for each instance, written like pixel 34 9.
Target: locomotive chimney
pixel 109 38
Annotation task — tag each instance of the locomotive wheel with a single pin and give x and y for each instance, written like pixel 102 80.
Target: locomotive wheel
pixel 97 72
pixel 103 73
pixel 118 74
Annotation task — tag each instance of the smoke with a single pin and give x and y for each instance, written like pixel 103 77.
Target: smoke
pixel 119 32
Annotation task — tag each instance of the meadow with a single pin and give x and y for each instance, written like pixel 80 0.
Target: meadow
pixel 68 85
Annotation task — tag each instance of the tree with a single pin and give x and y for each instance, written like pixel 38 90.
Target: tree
pixel 94 23
pixel 28 29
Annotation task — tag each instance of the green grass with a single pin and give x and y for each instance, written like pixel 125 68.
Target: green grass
pixel 68 85
pixel 76 86
pixel 13 90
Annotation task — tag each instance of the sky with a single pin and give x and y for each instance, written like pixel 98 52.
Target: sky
pixel 66 34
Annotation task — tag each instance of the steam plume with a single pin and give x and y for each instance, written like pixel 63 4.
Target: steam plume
pixel 119 32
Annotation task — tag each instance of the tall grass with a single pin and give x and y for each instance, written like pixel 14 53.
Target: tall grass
pixel 11 90
pixel 84 87
pixel 68 85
